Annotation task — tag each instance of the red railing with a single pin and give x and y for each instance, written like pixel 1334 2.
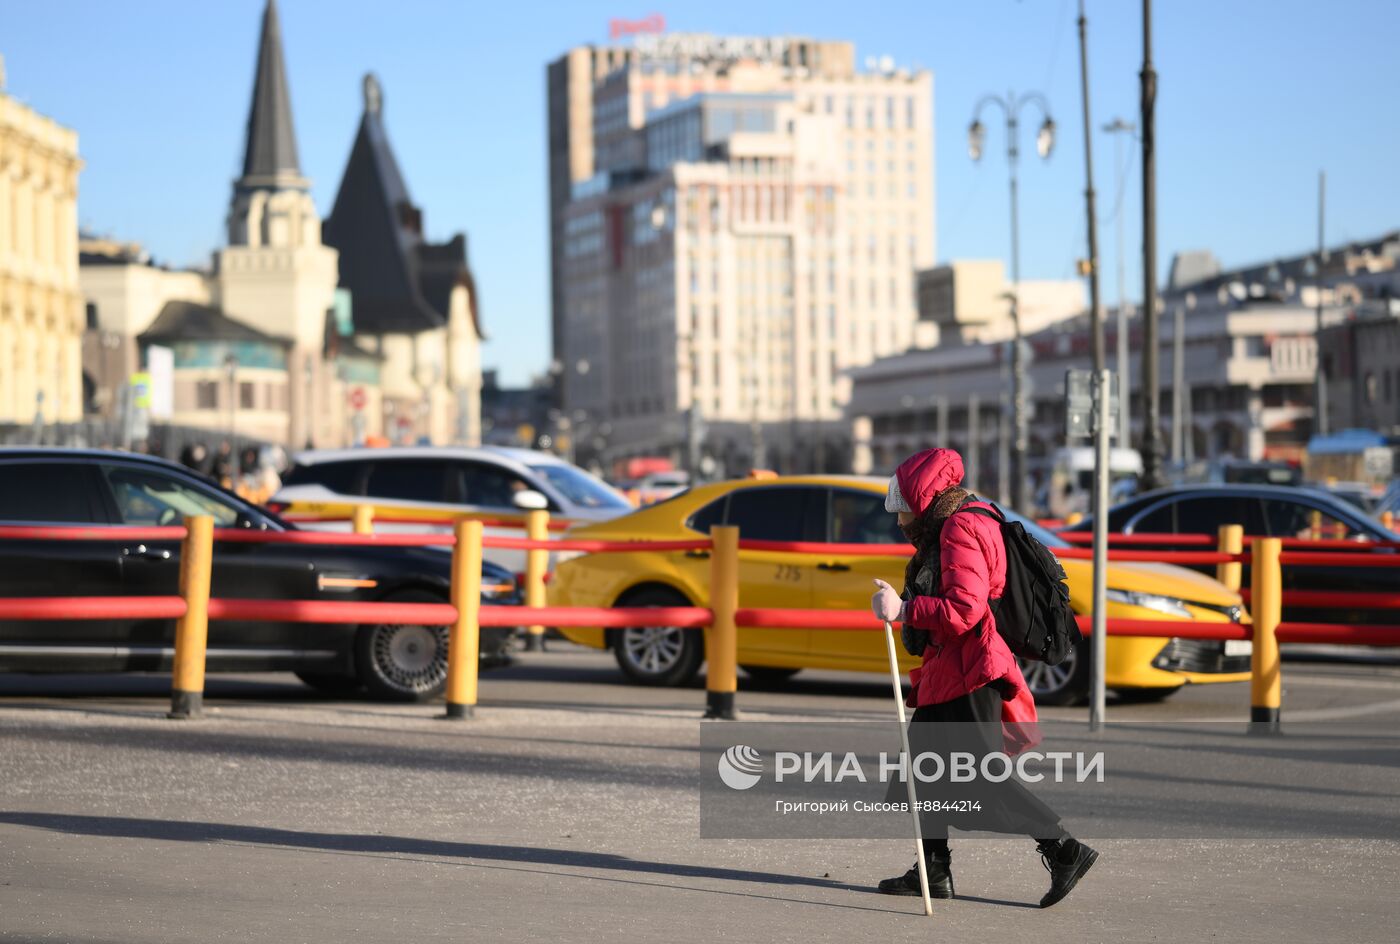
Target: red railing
pixel 439 520
pixel 1206 540
pixel 362 612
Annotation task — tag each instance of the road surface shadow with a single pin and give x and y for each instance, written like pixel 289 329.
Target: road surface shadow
pixel 119 827
pixel 511 858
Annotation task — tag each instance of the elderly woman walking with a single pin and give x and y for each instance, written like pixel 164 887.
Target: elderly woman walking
pixel 968 683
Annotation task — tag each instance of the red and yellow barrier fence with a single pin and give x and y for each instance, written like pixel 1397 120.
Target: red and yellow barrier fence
pixel 193 608
pixel 1205 540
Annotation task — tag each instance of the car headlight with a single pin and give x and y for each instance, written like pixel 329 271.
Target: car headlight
pixel 1170 606
pixel 563 557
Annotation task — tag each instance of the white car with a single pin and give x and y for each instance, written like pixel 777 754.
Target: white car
pixel 426 482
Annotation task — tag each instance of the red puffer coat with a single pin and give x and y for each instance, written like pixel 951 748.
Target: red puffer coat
pixel 965 651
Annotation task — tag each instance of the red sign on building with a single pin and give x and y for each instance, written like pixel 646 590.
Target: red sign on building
pixel 653 23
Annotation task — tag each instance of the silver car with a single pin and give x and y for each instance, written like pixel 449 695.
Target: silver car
pixel 403 483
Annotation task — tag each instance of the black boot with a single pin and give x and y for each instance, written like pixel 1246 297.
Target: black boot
pixel 940 880
pixel 1067 860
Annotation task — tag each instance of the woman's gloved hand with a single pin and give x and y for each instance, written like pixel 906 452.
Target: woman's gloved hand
pixel 886 604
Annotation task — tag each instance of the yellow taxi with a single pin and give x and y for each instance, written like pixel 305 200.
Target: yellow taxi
pixel 850 510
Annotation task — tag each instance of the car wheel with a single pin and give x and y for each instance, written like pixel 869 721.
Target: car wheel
pixel 328 683
pixel 1063 684
pixel 399 662
pixel 767 674
pixel 658 655
pixel 1143 696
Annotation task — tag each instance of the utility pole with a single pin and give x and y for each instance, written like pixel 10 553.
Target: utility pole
pixel 1102 399
pixel 1320 424
pixel 1119 128
pixel 1151 386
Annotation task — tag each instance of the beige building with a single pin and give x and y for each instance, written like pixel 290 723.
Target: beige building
pixel 41 309
pixel 295 335
pixel 742 224
pixel 967 301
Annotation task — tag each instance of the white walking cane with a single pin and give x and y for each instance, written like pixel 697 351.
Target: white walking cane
pixel 908 767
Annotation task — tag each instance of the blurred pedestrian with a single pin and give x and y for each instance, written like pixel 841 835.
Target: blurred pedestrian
pixel 195 456
pixel 258 480
pixel 968 693
pixel 222 469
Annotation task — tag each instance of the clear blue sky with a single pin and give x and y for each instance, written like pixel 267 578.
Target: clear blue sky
pixel 1254 98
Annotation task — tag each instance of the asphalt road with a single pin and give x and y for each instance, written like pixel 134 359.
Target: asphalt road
pixel 568 811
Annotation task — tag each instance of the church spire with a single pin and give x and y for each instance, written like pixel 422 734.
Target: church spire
pixel 271 156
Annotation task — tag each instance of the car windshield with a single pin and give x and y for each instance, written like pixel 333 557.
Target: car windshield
pixel 580 488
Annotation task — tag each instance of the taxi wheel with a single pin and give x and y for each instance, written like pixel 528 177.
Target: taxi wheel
pixel 658 655
pixel 1063 684
pixel 400 662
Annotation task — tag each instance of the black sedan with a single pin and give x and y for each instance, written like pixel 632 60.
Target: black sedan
pixel 106 489
pixel 1269 511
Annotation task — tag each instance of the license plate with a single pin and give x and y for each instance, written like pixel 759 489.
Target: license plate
pixel 1238 647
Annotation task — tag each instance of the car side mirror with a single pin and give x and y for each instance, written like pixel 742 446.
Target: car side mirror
pixel 530 500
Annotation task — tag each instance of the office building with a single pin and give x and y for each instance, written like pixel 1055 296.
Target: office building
pixel 735 223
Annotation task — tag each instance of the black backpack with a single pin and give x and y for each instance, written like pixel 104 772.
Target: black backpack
pixel 1033 615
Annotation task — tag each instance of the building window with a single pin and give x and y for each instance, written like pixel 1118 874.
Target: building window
pixel 246 398
pixel 206 395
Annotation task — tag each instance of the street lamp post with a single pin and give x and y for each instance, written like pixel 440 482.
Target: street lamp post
pixel 1011 107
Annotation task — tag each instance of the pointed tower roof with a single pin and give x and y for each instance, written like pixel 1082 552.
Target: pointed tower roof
pixel 271 155
pixel 399 281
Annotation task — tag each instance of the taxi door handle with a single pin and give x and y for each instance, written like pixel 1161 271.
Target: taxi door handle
pixel 699 554
pixel 827 565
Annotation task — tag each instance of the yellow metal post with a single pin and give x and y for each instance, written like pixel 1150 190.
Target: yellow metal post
pixel 363 519
pixel 722 641
pixel 1230 540
pixel 536 563
pixel 1266 602
pixel 464 638
pixel 192 629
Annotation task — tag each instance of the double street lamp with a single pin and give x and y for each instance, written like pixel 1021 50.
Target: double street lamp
pixel 1011 106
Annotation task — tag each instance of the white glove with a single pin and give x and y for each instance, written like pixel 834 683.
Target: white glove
pixel 886 604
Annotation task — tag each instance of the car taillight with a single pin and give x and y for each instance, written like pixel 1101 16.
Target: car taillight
pixel 277 507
